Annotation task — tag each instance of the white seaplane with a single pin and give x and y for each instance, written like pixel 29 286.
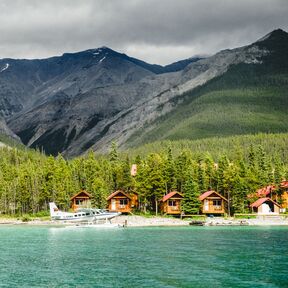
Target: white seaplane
pixel 90 215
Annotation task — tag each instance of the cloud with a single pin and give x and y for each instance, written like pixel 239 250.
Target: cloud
pixel 158 31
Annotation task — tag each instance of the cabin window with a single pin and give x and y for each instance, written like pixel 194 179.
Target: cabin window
pixel 123 203
pixel 172 203
pixel 79 201
pixel 217 204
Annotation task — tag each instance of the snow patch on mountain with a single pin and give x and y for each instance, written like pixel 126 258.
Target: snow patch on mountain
pixel 5 67
pixel 102 59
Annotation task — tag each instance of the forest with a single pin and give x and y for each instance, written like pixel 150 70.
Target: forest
pixel 29 179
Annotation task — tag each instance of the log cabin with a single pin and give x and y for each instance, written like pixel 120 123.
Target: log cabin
pixel 81 200
pixel 213 203
pixel 264 206
pixel 171 203
pixel 122 202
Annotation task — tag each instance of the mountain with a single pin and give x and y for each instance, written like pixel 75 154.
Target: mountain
pixel 5 131
pixel 249 98
pixel 53 102
pixel 85 100
pixel 166 114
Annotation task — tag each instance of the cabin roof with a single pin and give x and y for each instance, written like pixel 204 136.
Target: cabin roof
pixel 208 193
pixel 260 201
pixel 171 194
pixel 265 190
pixel 116 193
pixel 82 191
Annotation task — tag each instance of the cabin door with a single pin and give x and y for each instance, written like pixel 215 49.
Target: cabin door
pixel 113 204
pixel 265 209
pixel 206 205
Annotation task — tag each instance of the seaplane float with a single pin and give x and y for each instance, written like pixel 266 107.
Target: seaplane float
pixel 84 217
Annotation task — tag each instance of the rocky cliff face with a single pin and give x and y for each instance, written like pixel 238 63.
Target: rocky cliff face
pixel 85 100
pixel 5 130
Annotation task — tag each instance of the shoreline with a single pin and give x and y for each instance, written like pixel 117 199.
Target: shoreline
pixel 158 221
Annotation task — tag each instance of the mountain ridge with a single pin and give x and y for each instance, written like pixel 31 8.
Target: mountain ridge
pixel 85 100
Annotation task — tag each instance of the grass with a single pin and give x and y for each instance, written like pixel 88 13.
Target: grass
pixel 245 216
pixel 41 216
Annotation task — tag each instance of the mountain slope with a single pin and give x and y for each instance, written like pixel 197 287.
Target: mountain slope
pixel 247 99
pixel 86 100
pixel 52 102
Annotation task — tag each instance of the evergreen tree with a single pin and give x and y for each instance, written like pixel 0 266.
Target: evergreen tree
pixel 190 203
pixel 169 171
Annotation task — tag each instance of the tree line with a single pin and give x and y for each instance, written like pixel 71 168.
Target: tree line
pixel 29 180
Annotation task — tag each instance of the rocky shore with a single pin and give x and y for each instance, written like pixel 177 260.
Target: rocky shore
pixel 141 221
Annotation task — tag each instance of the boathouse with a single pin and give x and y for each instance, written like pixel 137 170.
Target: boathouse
pixel 171 203
pixel 264 206
pixel 81 200
pixel 213 203
pixel 122 202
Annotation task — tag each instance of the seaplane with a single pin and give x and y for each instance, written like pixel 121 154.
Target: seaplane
pixel 90 215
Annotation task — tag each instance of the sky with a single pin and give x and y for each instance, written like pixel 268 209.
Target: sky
pixel 156 31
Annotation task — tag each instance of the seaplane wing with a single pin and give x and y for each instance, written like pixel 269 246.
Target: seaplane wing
pixel 81 215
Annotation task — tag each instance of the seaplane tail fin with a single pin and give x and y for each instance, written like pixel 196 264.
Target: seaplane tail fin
pixel 53 209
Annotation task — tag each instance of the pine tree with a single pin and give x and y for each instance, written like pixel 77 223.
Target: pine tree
pixel 113 155
pixel 169 171
pixel 190 203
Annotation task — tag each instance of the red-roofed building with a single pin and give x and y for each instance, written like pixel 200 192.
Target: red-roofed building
pixel 266 191
pixel 284 184
pixel 171 203
pixel 122 202
pixel 213 203
pixel 265 206
pixel 81 200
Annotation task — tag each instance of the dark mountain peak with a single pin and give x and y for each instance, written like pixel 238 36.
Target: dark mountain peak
pixel 279 32
pixel 91 52
pixel 275 35
pixel 100 50
pixel 275 41
pixel 180 65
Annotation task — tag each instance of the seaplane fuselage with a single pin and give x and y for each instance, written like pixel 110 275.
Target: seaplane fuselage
pixel 81 215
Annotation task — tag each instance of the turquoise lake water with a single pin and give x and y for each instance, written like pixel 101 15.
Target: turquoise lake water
pixel 144 257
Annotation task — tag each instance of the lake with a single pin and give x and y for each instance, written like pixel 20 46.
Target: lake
pixel 144 257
